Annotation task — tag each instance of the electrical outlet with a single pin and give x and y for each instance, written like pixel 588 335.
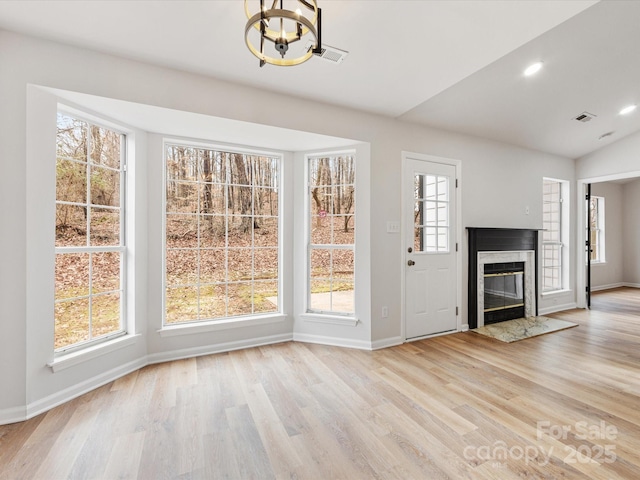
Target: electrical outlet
pixel 526 210
pixel 385 312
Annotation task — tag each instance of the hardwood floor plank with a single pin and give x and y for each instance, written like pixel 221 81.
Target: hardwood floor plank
pixel 61 458
pixel 255 462
pixel 454 421
pixel 124 460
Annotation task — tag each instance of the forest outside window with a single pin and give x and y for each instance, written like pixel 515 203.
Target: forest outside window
pixel 222 234
pixel 89 237
pixel 331 246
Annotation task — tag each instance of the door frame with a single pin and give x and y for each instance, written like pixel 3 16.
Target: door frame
pixel 581 237
pixel 404 240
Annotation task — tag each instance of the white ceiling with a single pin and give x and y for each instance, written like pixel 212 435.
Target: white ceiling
pixel 450 64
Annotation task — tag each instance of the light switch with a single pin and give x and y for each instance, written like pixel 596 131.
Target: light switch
pixel 393 227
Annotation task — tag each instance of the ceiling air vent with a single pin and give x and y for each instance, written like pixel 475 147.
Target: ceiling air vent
pixel 331 54
pixel 585 117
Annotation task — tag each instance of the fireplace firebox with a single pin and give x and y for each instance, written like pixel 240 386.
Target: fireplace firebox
pixel 503 291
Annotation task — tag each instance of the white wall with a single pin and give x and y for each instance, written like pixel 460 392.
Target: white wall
pixel 499 182
pixel 619 159
pixel 610 273
pixel 631 239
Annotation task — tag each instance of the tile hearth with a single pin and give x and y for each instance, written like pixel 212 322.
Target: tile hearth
pixel 521 328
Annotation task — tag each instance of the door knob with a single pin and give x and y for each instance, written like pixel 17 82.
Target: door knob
pixel 411 263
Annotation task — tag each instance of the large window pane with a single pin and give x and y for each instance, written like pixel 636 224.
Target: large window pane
pixel 89 244
pixel 105 314
pixel 105 226
pixel 71 322
pixel 221 233
pixel 181 304
pixel 71 225
pixel 105 186
pixel 332 234
pixel 71 181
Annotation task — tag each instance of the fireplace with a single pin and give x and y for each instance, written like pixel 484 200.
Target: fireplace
pixel 502 275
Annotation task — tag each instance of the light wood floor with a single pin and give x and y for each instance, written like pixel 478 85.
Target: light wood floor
pixel 458 406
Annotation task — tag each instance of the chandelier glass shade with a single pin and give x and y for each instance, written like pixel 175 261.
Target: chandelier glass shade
pixel 283 24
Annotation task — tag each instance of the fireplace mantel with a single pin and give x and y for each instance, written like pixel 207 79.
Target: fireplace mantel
pixel 483 239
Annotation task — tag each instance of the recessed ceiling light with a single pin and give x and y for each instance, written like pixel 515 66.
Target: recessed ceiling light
pixel 627 109
pixel 532 69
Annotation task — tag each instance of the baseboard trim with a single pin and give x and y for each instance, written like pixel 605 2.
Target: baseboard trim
pixel 217 348
pixel 63 396
pixel 386 342
pixel 608 287
pixel 13 415
pixel 557 308
pixel 631 285
pixel 332 341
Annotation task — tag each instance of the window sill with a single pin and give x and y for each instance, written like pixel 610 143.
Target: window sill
pixel 70 359
pixel 595 264
pixel 331 319
pixel 212 326
pixel 557 292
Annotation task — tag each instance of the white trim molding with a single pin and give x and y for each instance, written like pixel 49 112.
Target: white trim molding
pixel 609 287
pixel 386 343
pixel 13 415
pixel 216 348
pixel 557 308
pixel 68 360
pixel 332 341
pixel 63 396
pixel 330 319
pixel 201 327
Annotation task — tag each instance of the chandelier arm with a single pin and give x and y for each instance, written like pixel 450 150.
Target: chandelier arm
pixel 307 4
pixel 318 49
pixel 273 35
pixel 311 4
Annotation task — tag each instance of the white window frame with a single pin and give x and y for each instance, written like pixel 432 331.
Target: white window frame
pixel 599 249
pixel 220 323
pixel 122 248
pixel 563 229
pixel 327 314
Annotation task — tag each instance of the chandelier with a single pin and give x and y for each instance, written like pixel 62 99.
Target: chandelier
pixel 283 28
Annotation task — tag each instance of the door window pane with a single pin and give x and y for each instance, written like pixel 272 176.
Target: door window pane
pixel 431 213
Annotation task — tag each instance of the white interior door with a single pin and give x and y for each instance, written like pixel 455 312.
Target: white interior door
pixel 430 250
